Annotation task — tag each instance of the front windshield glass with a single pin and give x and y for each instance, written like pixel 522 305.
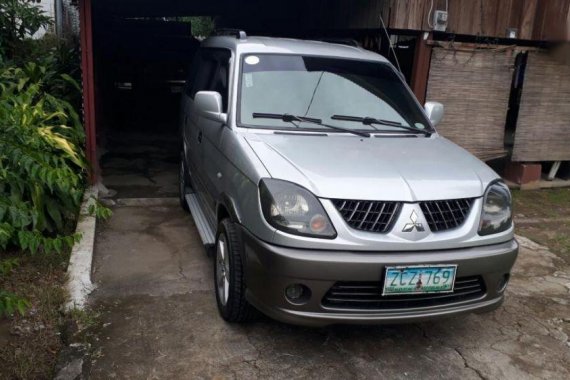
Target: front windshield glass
pixel 317 87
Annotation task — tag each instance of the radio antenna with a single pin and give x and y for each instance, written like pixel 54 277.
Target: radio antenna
pixel 390 42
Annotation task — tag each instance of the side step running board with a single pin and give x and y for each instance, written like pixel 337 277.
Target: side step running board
pixel 206 233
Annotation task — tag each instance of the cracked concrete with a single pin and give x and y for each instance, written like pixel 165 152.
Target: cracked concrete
pixel 155 293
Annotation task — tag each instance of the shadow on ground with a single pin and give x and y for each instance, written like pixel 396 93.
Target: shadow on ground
pixel 138 165
pixel 159 320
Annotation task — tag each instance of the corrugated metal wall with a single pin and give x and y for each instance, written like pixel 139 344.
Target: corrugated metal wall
pixel 543 127
pixel 474 87
pixel 67 20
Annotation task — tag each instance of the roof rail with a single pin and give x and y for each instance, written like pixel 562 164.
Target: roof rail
pixel 237 33
pixel 341 41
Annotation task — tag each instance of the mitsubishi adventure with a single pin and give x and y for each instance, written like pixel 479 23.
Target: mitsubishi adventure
pixel 325 193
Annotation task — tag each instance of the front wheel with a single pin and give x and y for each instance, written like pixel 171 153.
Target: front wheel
pixel 229 275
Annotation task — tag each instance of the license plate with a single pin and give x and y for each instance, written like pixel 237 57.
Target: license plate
pixel 419 279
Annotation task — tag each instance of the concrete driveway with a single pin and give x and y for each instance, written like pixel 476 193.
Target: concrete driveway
pixel 159 320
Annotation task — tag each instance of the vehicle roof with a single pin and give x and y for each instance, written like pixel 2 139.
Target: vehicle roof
pixel 255 44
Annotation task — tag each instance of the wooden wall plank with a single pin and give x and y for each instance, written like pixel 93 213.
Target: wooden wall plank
pixel 539 15
pixel 455 18
pixel 516 14
pixel 534 19
pixel 527 19
pixel 503 20
pixel 490 14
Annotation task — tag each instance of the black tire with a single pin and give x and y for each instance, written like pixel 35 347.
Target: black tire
pixel 236 308
pixel 182 183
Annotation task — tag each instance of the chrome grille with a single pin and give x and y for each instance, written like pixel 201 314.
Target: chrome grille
pixel 367 295
pixel 447 214
pixel 371 216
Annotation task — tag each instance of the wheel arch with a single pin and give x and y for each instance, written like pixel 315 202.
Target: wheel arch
pixel 226 208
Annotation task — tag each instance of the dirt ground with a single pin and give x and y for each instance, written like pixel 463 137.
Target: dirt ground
pixel 544 217
pixel 159 321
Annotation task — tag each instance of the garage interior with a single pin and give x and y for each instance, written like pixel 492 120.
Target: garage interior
pixel 141 53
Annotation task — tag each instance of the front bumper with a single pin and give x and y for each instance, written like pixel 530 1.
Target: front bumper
pixel 270 269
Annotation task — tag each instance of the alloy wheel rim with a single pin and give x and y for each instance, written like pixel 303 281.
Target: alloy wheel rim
pixel 222 270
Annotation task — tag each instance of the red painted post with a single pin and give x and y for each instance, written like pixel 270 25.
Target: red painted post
pixel 420 70
pixel 86 35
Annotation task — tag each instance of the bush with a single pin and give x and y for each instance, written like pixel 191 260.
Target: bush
pixel 9 302
pixel 19 20
pixel 42 165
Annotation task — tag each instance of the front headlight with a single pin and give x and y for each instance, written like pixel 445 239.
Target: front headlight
pixel 293 209
pixel 497 209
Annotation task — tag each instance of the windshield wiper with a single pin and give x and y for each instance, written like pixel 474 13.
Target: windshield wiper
pixel 292 118
pixel 388 123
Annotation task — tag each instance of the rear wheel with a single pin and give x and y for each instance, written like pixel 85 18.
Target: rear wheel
pixel 229 275
pixel 183 183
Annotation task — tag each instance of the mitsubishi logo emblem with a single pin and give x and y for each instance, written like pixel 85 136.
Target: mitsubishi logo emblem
pixel 409 227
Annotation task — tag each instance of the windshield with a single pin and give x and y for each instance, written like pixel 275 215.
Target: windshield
pixel 320 88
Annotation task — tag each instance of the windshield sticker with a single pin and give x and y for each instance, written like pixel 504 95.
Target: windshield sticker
pixel 248 80
pixel 420 126
pixel 252 60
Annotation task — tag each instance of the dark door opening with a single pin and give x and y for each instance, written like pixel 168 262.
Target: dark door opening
pixel 142 51
pixel 140 70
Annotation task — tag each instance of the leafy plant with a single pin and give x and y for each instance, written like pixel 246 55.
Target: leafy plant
pixel 19 19
pixel 8 265
pixel 96 208
pixel 202 26
pixel 10 303
pixel 42 165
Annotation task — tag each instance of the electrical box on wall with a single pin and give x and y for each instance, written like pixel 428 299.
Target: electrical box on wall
pixel 440 21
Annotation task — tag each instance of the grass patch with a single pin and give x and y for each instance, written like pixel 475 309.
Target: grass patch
pixel 29 343
pixel 545 203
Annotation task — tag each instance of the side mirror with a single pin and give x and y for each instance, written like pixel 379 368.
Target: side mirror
pixel 209 105
pixel 434 112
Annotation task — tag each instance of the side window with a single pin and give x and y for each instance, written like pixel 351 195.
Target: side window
pixel 220 82
pixel 192 72
pixel 210 72
pixel 205 68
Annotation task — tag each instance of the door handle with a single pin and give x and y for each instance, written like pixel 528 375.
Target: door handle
pixel 199 137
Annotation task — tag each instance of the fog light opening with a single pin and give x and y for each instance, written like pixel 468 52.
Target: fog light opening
pixel 502 284
pixel 297 294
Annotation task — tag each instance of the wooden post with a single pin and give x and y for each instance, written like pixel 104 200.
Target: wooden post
pixel 420 69
pixel 86 36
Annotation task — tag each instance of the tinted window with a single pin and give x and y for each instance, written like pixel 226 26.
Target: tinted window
pixel 210 72
pixel 192 71
pixel 221 79
pixel 322 87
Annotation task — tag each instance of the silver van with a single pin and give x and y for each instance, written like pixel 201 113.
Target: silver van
pixel 326 193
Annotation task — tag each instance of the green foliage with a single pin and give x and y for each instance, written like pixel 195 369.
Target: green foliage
pixel 19 19
pixel 10 303
pixel 42 165
pixel 60 60
pixel 96 208
pixel 202 26
pixel 8 265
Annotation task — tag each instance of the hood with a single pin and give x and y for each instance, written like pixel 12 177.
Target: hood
pixel 389 168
